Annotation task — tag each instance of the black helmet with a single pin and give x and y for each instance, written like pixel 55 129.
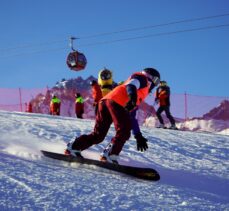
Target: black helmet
pixel 105 74
pixel 152 72
pixel 163 83
pixel 153 75
pixel 78 94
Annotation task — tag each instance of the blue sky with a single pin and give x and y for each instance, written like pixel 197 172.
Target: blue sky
pixel 34 42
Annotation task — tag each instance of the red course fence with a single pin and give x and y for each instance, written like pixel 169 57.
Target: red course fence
pixel 17 99
pixel 183 106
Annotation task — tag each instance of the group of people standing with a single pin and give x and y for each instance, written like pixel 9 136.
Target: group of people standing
pixel 162 95
pixel 55 105
pixel 118 104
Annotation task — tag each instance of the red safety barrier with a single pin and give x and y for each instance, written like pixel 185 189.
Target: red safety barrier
pixel 183 106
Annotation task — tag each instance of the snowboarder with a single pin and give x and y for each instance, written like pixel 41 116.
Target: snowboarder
pixel 163 98
pixel 134 122
pixel 79 106
pixel 116 107
pixel 55 106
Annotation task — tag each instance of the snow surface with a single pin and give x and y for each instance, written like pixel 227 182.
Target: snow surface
pixel 200 125
pixel 194 169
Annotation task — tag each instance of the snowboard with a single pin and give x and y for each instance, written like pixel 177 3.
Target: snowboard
pixel 138 172
pixel 168 128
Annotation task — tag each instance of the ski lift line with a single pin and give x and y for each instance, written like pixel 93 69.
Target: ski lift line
pixel 157 25
pixel 34 52
pixel 128 39
pixel 33 45
pixel 120 31
pixel 158 34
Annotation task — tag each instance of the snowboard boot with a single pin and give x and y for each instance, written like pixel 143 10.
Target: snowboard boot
pixel 110 159
pixel 161 126
pixel 105 156
pixel 173 127
pixel 69 151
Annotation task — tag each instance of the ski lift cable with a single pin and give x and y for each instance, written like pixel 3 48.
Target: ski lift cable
pixel 34 52
pixel 157 34
pixel 117 32
pixel 125 39
pixel 157 25
pixel 34 45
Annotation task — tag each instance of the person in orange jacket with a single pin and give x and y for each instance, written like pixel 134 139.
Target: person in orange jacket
pixel 96 94
pixel 115 108
pixel 163 98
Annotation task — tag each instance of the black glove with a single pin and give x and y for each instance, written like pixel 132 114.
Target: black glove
pixel 130 105
pixel 141 142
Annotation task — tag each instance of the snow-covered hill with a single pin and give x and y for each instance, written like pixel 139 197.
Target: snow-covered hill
pixel 194 169
pixel 215 121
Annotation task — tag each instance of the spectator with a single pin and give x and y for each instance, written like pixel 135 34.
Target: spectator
pixel 29 107
pixel 79 106
pixel 55 106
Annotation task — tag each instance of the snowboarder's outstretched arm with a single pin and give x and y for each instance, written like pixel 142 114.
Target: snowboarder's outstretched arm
pixel 137 82
pixel 140 139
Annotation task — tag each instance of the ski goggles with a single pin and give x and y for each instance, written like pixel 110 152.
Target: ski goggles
pixel 155 80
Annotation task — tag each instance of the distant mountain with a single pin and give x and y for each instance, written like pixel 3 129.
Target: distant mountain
pixel 221 112
pixel 78 84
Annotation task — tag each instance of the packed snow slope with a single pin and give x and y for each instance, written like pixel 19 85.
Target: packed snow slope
pixel 194 169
